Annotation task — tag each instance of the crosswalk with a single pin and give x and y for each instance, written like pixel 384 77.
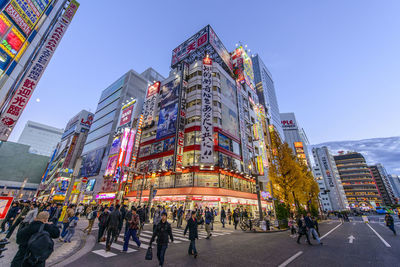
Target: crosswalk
pixel 145 236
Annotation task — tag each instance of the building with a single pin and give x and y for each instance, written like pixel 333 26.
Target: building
pixel 59 172
pixel 383 183
pixel 295 136
pixel 395 183
pixel 41 138
pixel 202 136
pixel 131 86
pixel 30 33
pixel 332 195
pixel 20 170
pixel 358 183
pixel 266 94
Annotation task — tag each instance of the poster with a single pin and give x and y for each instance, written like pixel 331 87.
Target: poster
pixel 111 165
pixel 169 93
pixel 90 185
pixel 150 104
pixel 92 162
pixel 157 147
pixel 167 163
pixel 145 151
pixel 129 148
pixel 169 144
pixel 224 142
pixel 167 121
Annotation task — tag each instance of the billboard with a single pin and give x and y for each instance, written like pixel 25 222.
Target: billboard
pixel 150 104
pixel 243 143
pixel 91 163
pixel 167 121
pixel 129 148
pixel 122 149
pixel 90 185
pixel 169 144
pixel 127 113
pixel 243 67
pixel 169 93
pixel 111 165
pixel 288 121
pixel 220 49
pixel 207 142
pixel 30 79
pixel 230 121
pixel 137 141
pixel 114 149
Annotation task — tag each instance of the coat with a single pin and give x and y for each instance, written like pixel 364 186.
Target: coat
pixel 68 214
pixel 162 231
pixel 192 227
pixel 114 219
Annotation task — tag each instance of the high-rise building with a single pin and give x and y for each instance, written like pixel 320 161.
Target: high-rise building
pixel 266 94
pixel 295 136
pixel 41 138
pixel 332 195
pixel 58 174
pixel 358 183
pixel 30 32
pixel 131 87
pixel 384 186
pixel 395 183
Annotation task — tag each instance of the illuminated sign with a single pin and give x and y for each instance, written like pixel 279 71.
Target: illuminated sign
pixel 298 144
pixel 127 113
pixel 137 141
pixel 105 195
pixel 196 41
pixel 207 142
pixel 122 149
pixel 129 148
pixel 243 67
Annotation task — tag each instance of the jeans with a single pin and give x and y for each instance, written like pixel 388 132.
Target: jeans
pixel 301 234
pixel 112 233
pixel 391 227
pixel 130 233
pixel 70 233
pixel 64 230
pixel 223 222
pixel 313 232
pixel 179 224
pixel 161 253
pixel 192 247
pixel 101 233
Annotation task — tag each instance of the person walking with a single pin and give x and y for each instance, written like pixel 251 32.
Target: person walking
pixel 133 226
pixel 311 228
pixel 68 214
pixel 302 229
pixel 40 223
pixel 390 222
pixel 229 216
pixel 193 233
pixel 236 217
pixel 174 214
pixel 208 215
pixel 55 215
pixel 179 214
pixel 291 225
pixel 92 215
pixel 162 232
pixel 156 217
pixel 152 210
pixel 112 226
pixel 21 216
pixel 10 217
pixel 103 220
pixel 142 219
pixel 123 211
pixel 30 216
pixel 223 216
pixel 71 227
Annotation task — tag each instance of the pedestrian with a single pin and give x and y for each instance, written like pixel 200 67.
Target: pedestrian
pixel 152 210
pixel 123 211
pixel 179 214
pixel 208 216
pixel 80 210
pixel 55 216
pixel 71 227
pixel 302 229
pixel 199 216
pixel 156 217
pixel 163 232
pixel 21 216
pixel 311 228
pixel 236 217
pixel 30 216
pixel 223 216
pixel 112 226
pixel 133 226
pixel 103 219
pixel 68 214
pixel 22 258
pixel 390 222
pixel 229 216
pixel 316 226
pixel 291 224
pixel 10 217
pixel 142 219
pixel 92 215
pixel 174 214
pixel 193 233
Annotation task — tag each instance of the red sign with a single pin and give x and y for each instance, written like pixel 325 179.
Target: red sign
pixel 197 198
pixel 153 89
pixel 84 179
pixel 126 115
pixel 5 204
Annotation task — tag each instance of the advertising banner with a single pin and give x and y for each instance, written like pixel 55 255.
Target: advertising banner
pixel 111 165
pixel 243 67
pixel 31 78
pixel 207 142
pixel 91 163
pixel 122 149
pixel 137 142
pixel 245 151
pixel 169 93
pixel 230 121
pixel 220 48
pixel 90 185
pixel 130 148
pixel 114 149
pixel 149 106
pixel 127 114
pixel 167 121
pixel 169 144
pixel 5 204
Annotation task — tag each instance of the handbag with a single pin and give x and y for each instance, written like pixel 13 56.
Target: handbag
pixel 149 254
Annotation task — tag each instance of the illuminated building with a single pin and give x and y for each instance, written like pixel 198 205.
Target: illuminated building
pixel 295 136
pixel 358 182
pixel 202 140
pixel 332 195
pixel 30 32
pixel 384 186
pixel 58 174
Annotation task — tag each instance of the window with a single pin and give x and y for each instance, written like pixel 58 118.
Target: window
pixel 190 138
pixel 193 119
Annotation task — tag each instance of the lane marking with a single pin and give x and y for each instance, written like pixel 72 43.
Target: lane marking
pixel 334 228
pixel 286 262
pixel 378 235
pixel 351 238
pixel 104 253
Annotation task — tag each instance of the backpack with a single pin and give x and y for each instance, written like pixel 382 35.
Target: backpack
pixel 40 246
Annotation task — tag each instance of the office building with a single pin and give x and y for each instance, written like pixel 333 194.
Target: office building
pixel 384 186
pixel 358 183
pixel 395 183
pixel 41 138
pixel 332 195
pixel 30 32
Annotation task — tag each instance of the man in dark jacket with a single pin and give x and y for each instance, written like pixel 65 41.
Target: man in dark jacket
pixel 163 231
pixel 180 217
pixel 302 229
pixel 311 228
pixel 112 226
pixel 209 217
pixel 133 222
pixel 18 220
pixel 142 217
pixel 10 217
pixel 25 234
pixel 103 219
pixel 123 215
pixel 193 233
pixel 223 216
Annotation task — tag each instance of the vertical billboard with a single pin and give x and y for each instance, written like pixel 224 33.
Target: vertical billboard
pixel 243 139
pixel 137 142
pixel 129 148
pixel 127 114
pixel 150 104
pixel 207 142
pixel 30 79
pixel 243 67
pixel 91 163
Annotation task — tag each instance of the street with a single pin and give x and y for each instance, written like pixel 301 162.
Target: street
pixel 352 243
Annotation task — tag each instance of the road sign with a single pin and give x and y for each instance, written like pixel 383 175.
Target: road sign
pixel 84 179
pixel 351 238
pixel 5 204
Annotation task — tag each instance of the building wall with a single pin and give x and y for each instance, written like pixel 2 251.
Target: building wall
pixel 383 184
pixel 395 183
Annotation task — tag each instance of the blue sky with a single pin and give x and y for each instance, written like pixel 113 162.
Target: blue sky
pixel 336 64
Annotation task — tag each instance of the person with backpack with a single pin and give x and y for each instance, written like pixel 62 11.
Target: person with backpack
pixel 103 219
pixel 163 232
pixel 71 227
pixel 92 215
pixel 35 242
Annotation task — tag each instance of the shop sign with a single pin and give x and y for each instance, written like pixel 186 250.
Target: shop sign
pixel 127 113
pixel 207 142
pixel 197 198
pixel 105 195
pixel 182 198
pixel 206 198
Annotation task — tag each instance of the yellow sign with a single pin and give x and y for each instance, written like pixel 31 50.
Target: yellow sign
pixel 64 210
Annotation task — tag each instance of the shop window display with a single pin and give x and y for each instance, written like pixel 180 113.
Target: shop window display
pixel 206 180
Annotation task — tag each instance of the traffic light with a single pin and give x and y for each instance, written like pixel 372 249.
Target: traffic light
pixel 3 243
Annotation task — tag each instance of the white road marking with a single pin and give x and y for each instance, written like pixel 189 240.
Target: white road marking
pixel 351 238
pixel 119 247
pixel 286 262
pixel 325 235
pixel 378 235
pixel 104 253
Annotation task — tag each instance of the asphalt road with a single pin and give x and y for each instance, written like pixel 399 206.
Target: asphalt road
pixel 237 248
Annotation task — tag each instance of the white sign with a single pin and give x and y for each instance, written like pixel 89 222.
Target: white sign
pixel 31 78
pixel 149 106
pixel 207 142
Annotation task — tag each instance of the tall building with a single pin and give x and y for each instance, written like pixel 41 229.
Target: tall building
pixel 384 186
pixel 395 183
pixel 41 138
pixel 295 136
pixel 59 172
pixel 332 195
pixel 30 32
pixel 131 86
pixel 358 183
pixel 266 93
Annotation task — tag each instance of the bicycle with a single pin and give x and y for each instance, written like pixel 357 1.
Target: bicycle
pixel 248 224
